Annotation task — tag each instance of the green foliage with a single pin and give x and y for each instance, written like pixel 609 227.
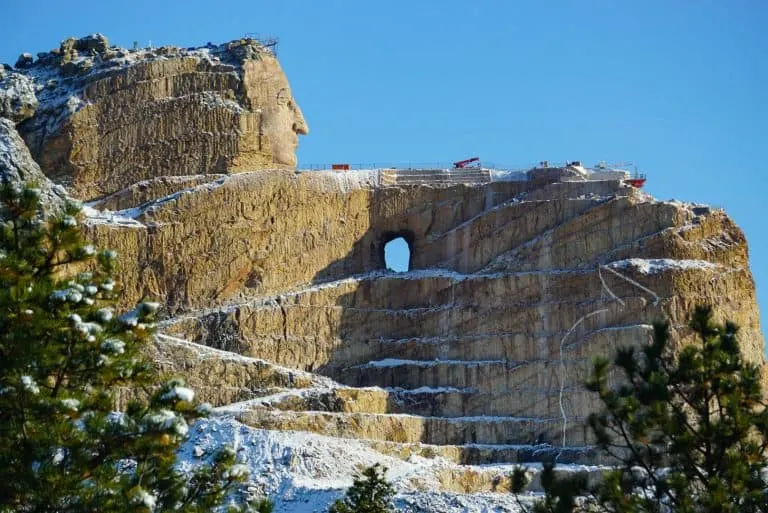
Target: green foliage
pixel 64 353
pixel 561 496
pixel 370 493
pixel 688 431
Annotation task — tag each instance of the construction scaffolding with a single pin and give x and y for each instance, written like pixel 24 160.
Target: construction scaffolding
pixel 269 42
pixel 470 172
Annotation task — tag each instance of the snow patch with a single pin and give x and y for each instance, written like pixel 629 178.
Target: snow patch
pixel 125 217
pixel 658 265
pixel 179 393
pixel 396 362
pixel 344 181
pixel 304 472
pixel 30 385
pixel 507 175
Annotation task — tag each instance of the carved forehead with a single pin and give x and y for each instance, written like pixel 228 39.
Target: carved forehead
pixel 271 84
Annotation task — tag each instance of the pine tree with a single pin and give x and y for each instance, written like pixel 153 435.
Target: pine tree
pixel 688 431
pixel 370 493
pixel 63 352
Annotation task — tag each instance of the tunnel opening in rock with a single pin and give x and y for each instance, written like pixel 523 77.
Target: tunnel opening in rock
pixel 397 253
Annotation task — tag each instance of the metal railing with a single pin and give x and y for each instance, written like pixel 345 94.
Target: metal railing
pixel 358 166
pixel 389 173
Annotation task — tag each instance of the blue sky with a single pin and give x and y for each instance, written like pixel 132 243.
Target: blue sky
pixel 678 87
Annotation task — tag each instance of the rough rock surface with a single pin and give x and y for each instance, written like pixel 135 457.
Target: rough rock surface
pixel 18 166
pixel 110 117
pixel 513 288
pixel 17 96
pixel 279 308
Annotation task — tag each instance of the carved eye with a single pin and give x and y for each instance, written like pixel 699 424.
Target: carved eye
pixel 283 96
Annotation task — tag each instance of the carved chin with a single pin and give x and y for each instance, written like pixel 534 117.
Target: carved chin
pixel 285 158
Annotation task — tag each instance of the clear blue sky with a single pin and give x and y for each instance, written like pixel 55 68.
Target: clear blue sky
pixel 680 87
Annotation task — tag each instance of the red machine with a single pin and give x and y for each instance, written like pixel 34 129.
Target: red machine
pixel 466 163
pixel 637 180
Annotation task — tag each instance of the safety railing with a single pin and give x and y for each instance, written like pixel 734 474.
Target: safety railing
pixel 405 166
pixel 389 174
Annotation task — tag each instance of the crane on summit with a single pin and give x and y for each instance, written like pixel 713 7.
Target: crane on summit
pixel 461 164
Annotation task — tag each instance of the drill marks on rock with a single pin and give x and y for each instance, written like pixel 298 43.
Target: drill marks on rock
pixel 646 267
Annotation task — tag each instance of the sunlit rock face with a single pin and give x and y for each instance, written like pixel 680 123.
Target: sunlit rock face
pixel 109 117
pixel 17 166
pixel 268 94
pixel 274 284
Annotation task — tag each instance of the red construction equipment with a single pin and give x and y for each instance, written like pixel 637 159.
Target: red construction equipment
pixel 465 163
pixel 637 180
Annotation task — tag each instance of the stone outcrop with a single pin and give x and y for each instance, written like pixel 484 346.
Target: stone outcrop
pixel 514 287
pixel 18 166
pixel 278 306
pixel 17 96
pixel 110 117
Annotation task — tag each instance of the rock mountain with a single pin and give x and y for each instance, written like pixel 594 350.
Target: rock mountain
pixel 280 310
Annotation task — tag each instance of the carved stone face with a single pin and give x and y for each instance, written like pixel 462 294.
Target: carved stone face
pixel 281 120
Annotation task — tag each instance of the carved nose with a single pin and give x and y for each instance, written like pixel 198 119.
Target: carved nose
pixel 299 123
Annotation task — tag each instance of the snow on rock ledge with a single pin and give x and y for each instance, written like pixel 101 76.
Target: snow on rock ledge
pixel 305 473
pixel 658 265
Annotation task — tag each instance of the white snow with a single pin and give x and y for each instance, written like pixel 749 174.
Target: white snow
pixel 396 362
pixel 125 218
pixel 149 307
pixel 303 472
pixel 343 181
pixel 165 420
pixel 429 390
pixel 17 94
pixel 71 294
pixel 180 393
pixel 130 318
pixel 70 404
pixel 105 314
pixel 113 345
pixel 210 352
pixel 238 471
pixel 30 385
pixel 58 455
pixel 508 175
pixel 144 498
pixel 655 266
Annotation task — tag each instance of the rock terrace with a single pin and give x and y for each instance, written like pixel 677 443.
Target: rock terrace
pixel 279 310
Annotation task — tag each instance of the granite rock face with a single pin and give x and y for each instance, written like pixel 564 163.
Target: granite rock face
pixel 17 96
pixel 279 307
pixel 18 166
pixel 514 287
pixel 104 117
